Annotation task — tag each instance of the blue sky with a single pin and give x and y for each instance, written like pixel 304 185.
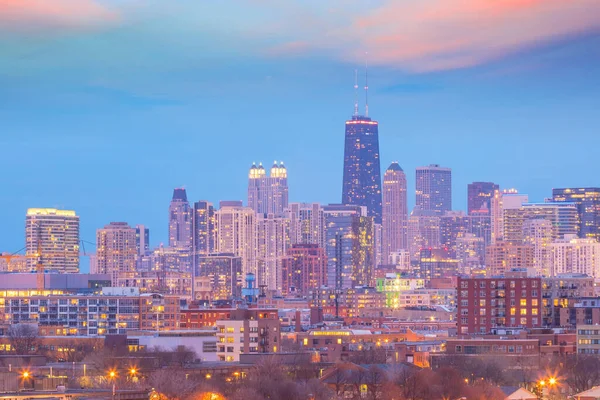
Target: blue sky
pixel 105 107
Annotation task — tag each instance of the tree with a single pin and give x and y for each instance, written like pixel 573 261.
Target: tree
pixel 184 355
pixel 172 384
pixel 24 338
pixel 582 372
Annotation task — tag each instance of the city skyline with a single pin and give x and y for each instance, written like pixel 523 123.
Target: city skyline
pixel 540 89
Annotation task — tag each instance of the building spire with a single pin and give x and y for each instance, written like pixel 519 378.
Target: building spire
pixel 366 86
pixel 355 92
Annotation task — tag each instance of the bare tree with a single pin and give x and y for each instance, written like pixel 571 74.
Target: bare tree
pixel 172 384
pixel 583 372
pixel 184 355
pixel 24 338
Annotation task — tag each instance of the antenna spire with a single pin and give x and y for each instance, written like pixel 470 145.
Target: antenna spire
pixel 355 92
pixel 366 86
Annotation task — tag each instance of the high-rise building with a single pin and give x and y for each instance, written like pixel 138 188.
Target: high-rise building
pixel 434 188
pixel 575 255
pixel 55 233
pixel 268 194
pixel 502 257
pixel 470 252
pixel 395 211
pixel 453 225
pixel 307 223
pixel 562 216
pixel 437 263
pixel 349 246
pixel 203 228
pixel 538 234
pixel 503 200
pixel 423 232
pixel 272 243
pixel 304 269
pixel 236 233
pixel 588 208
pixel 142 240
pixel 479 196
pixel 180 220
pixel 116 250
pixel 217 276
pixel 362 172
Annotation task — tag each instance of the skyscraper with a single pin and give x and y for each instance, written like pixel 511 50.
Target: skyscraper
pixel 307 224
pixel 272 243
pixel 142 240
pixel 236 233
pixel 588 208
pixel 362 173
pixel 395 211
pixel 116 250
pixel 56 233
pixel 268 194
pixel 423 231
pixel 304 269
pixel 180 221
pixel 506 199
pixel 434 188
pixel 203 228
pixel 479 196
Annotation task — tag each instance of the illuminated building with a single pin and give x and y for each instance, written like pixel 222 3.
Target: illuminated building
pixel 180 220
pixel 434 188
pixel 341 238
pixel 142 240
pixel 508 302
pixel 13 263
pixel 395 212
pixel 362 171
pixel 304 268
pixel 503 200
pixel 203 230
pixel 437 263
pixel 218 277
pixel 538 234
pixel 588 342
pixel 307 223
pixel 588 208
pixel 237 233
pixel 401 259
pixel 502 257
pixel 479 196
pixel 167 282
pixel 562 216
pixel 268 194
pixel 470 252
pixel 116 250
pixel 56 233
pixel 575 255
pixel 272 235
pixel 423 231
pixel 394 284
pixel 163 259
pixel 453 224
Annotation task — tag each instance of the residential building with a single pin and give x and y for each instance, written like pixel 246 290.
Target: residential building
pixel 437 263
pixel 453 224
pixel 218 276
pixel 272 234
pixel 304 268
pixel 247 336
pixel 203 228
pixel 479 197
pixel 470 252
pixel 268 194
pixel 537 233
pixel 395 212
pixel 562 217
pixel 588 339
pixel 236 233
pixel 180 221
pixel 52 239
pixel 587 201
pixel 434 188
pixel 506 199
pixel 116 250
pixel 423 232
pixel 142 240
pixel 575 255
pixel 307 223
pixel 502 257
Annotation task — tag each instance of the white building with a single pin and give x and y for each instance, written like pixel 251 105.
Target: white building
pixel 394 211
pixel 273 242
pixel 237 233
pixel 575 255
pixel 307 223
pixel 268 194
pixel 116 251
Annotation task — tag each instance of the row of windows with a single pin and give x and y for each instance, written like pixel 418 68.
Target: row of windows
pixel 482 284
pixel 499 321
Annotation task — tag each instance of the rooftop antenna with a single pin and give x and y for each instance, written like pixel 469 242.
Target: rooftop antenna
pixel 366 86
pixel 355 92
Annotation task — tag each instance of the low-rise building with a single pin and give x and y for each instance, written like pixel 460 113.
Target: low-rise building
pixel 247 335
pixel 588 339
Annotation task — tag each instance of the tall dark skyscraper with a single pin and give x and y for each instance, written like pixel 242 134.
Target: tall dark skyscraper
pixel 180 221
pixel 588 208
pixel 434 188
pixel 479 197
pixel 362 173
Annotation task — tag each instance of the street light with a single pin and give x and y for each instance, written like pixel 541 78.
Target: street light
pixel 552 381
pixel 25 374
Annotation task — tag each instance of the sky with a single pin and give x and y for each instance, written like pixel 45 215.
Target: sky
pixel 107 105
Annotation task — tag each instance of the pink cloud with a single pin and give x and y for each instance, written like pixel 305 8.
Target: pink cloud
pixel 28 15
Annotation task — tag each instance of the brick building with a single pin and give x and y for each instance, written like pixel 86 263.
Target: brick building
pixel 304 268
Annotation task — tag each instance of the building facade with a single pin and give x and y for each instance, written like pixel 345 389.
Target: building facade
pixel 395 212
pixel 236 233
pixel 575 255
pixel 588 208
pixel 268 194
pixel 502 257
pixel 116 250
pixel 307 223
pixel 479 197
pixel 180 220
pixel 434 188
pixel 304 269
pixel 218 276
pixel 52 238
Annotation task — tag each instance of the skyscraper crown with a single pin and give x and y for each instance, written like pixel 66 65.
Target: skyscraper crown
pixel 179 194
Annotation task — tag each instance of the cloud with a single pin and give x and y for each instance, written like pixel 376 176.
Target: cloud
pixel 426 35
pixel 41 15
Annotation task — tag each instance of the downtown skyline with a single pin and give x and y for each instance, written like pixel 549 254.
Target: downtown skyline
pixel 113 148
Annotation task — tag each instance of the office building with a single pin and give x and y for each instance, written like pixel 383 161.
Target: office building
pixel 218 276
pixel 434 188
pixel 574 255
pixel 268 194
pixel 506 199
pixel 142 240
pixel 236 233
pixel 304 269
pixel 508 302
pixel 180 220
pixel 272 242
pixel 437 263
pixel 587 201
pixel 502 257
pixel 362 171
pixel 116 250
pixel 307 223
pixel 562 217
pixel 423 231
pixel 479 196
pixel 203 230
pixel 470 253
pixel 395 212
pixel 453 224
pixel 52 237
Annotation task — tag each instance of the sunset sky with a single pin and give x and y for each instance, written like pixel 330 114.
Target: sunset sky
pixel 106 106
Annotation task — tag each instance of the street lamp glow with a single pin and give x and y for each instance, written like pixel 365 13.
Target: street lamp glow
pixel 542 383
pixel 26 374
pixel 112 374
pixel 132 371
pixel 552 381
